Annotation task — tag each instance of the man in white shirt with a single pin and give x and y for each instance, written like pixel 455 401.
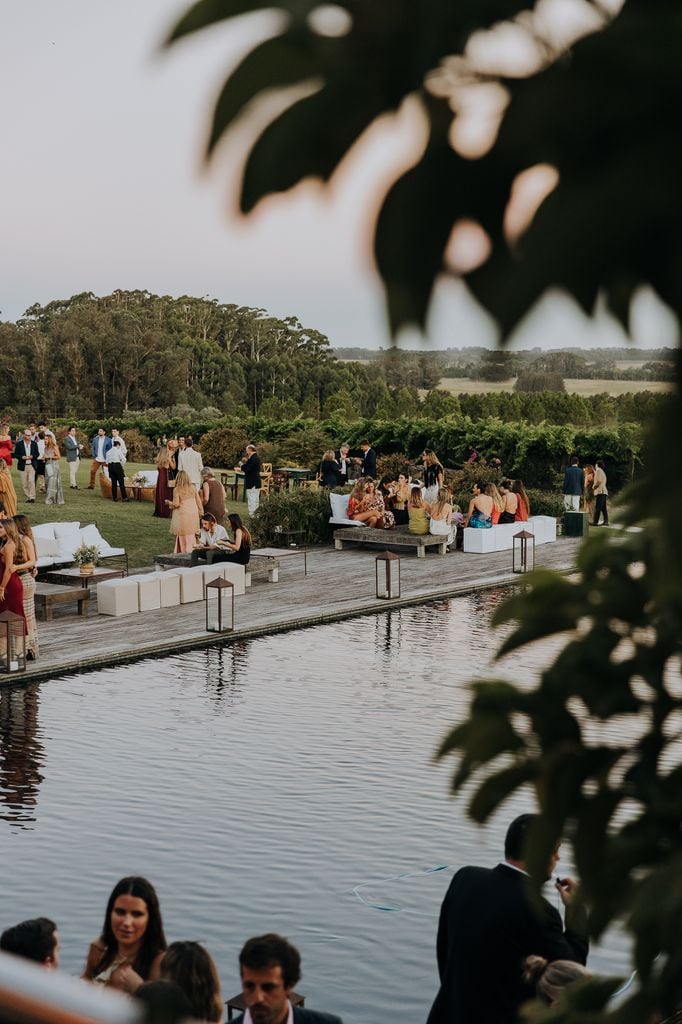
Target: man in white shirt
pixel 115 463
pixel 115 436
pixel 189 460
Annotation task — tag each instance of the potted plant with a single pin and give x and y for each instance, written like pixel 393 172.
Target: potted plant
pixel 87 557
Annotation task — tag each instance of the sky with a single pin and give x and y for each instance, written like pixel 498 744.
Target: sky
pixel 104 188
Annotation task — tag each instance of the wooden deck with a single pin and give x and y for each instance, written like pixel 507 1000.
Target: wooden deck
pixel 339 585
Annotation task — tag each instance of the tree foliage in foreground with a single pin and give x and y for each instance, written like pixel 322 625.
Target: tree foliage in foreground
pixel 605 116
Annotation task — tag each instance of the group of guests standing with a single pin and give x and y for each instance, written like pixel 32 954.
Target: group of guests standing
pixel 586 485
pixel 37 454
pixel 176 981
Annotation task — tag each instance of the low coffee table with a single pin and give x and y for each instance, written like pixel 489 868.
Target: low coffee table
pixel 98 575
pixel 49 594
pixel 272 557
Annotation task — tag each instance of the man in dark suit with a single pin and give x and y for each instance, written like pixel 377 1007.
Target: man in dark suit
pixel 26 454
pixel 574 485
pixel 251 468
pixel 270 967
pixel 369 460
pixel 489 925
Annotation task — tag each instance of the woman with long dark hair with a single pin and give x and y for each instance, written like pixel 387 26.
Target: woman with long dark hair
pixel 26 571
pixel 192 969
pixel 523 508
pixel 132 944
pixel 163 494
pixel 11 589
pixel 240 547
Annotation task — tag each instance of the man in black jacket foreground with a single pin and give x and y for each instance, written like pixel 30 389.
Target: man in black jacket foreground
pixel 488 926
pixel 270 967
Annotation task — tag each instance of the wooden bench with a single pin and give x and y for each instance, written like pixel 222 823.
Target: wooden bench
pixel 399 537
pixel 47 595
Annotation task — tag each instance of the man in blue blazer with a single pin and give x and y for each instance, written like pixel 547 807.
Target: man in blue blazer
pixel 99 447
pixel 489 924
pixel 270 967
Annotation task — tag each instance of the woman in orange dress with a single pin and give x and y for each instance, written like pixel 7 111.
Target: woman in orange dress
pixel 523 508
pixel 187 507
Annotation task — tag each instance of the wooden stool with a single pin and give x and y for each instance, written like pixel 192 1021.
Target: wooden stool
pixel 237 1003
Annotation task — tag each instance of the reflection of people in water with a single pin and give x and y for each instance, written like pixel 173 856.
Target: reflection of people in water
pixel 22 756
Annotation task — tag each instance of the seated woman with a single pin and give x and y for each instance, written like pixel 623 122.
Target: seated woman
pixel 418 513
pixel 211 534
pixel 387 491
pixel 239 549
pixel 523 506
pixel 550 978
pixel 511 503
pixel 365 505
pixel 190 966
pixel 441 524
pixel 479 513
pixel 329 471
pixel 401 497
pixel 498 501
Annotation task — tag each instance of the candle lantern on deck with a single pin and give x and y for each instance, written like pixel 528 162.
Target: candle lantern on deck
pixel 523 552
pixel 219 606
pixel 12 643
pixel 388 576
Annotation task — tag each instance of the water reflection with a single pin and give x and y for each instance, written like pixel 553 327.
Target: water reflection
pixel 22 755
pixel 226 672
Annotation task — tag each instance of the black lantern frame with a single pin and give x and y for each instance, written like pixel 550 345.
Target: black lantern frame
pixel 520 552
pixel 219 606
pixel 12 643
pixel 388 576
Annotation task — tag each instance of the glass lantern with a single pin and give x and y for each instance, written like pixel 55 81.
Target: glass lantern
pixel 388 576
pixel 523 553
pixel 12 643
pixel 219 606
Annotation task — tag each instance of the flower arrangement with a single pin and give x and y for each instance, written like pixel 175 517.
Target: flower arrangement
pixel 139 480
pixel 86 554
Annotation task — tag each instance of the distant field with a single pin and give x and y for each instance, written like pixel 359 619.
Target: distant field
pixel 463 385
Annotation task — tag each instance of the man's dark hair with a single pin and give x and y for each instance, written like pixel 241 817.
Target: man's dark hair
pixel 517 835
pixel 599 463
pixel 117 444
pixel 365 442
pixel 574 460
pixel 270 951
pixel 34 939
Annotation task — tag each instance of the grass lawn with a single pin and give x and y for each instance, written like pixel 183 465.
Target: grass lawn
pixel 582 386
pixel 130 525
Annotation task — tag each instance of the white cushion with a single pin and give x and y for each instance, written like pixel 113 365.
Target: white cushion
pixel 91 535
pixel 479 541
pixel 106 550
pixel 345 522
pixel 65 529
pixel 191 584
pixel 339 504
pixel 150 477
pixel 45 530
pixel 46 546
pixel 118 597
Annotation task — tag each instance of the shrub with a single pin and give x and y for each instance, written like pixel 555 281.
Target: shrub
pixel 305 447
pixel 392 465
pixel 300 510
pixel 140 448
pixel 546 503
pixel 223 447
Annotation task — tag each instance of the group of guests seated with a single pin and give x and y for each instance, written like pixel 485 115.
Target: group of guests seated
pixel 179 981
pixel 430 509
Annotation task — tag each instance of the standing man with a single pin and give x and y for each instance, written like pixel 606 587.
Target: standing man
pixel 600 494
pixel 36 940
pixel 73 453
pixel 488 921
pixel 101 444
pixel 343 460
pixel 574 486
pixel 270 967
pixel 191 461
pixel 26 454
pixel 115 464
pixel 251 467
pixel 115 436
pixel 368 461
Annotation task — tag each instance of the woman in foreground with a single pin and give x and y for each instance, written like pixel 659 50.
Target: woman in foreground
pixel 190 967
pixel 132 944
pixel 26 571
pixel 479 513
pixel 187 507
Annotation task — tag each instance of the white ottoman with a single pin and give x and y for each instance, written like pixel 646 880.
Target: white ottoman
pixel 503 535
pixel 117 597
pixel 211 572
pixel 478 541
pixel 191 584
pixel 148 591
pixel 169 588
pixel 544 529
pixel 236 574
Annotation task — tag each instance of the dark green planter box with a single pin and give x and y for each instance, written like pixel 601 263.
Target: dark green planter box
pixel 576 524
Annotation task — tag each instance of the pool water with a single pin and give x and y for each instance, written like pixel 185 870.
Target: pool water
pixel 280 784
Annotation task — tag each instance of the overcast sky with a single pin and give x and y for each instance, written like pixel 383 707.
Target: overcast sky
pixel 102 188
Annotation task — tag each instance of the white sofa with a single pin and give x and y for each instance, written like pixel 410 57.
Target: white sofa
pixel 56 543
pixel 339 516
pixel 501 537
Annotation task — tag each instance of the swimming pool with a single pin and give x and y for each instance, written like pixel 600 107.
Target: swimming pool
pixel 284 783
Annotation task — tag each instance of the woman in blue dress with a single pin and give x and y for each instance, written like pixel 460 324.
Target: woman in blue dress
pixel 480 512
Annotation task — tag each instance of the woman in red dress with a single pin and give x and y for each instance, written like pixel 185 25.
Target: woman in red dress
pixel 11 589
pixel 165 464
pixel 523 508
pixel 6 446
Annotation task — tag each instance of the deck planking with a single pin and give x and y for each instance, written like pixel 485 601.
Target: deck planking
pixel 339 585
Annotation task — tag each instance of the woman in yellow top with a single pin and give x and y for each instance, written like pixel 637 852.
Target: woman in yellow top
pixel 419 512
